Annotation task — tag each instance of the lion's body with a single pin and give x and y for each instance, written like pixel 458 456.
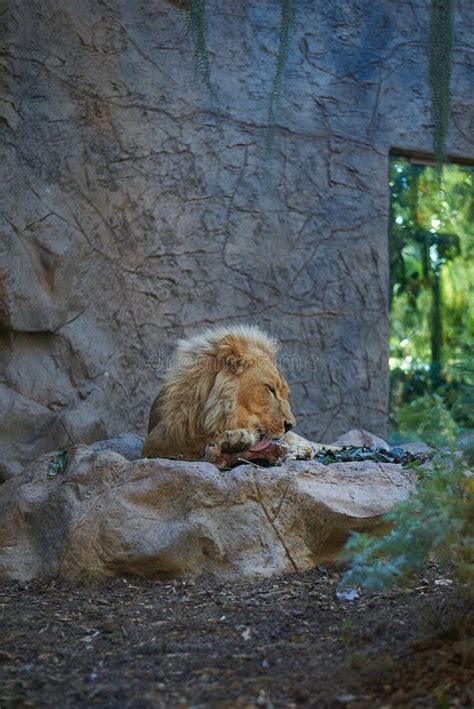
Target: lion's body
pixel 222 385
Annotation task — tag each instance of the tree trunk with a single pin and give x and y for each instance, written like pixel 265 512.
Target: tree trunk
pixel 436 328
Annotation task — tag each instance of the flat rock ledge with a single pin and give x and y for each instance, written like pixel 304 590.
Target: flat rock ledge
pixel 107 516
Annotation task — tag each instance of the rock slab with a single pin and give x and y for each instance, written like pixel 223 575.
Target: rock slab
pixel 107 516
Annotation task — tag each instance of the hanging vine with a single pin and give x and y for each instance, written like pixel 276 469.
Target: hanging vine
pixel 441 47
pixel 286 22
pixel 440 55
pixel 197 27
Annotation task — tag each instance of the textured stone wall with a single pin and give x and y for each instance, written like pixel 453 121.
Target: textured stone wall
pixel 129 219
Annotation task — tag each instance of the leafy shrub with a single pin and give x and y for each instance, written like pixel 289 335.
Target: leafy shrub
pixel 428 418
pixel 437 519
pixel 459 393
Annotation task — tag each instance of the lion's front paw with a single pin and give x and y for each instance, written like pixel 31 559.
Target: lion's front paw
pixel 300 453
pixel 238 439
pixel 298 447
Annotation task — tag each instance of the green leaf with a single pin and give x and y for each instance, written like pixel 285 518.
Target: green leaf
pixel 58 464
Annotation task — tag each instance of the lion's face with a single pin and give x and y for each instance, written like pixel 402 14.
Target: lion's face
pixel 262 400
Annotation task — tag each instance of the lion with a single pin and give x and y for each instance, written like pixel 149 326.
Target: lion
pixel 223 387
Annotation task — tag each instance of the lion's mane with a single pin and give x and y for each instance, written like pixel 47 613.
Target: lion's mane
pixel 198 393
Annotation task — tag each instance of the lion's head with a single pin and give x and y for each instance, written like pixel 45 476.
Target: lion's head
pixel 220 380
pixel 261 392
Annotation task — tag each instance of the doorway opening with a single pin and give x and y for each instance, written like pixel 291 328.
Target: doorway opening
pixel 431 300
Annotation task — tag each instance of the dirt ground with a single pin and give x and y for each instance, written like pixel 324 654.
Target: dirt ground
pixel 276 643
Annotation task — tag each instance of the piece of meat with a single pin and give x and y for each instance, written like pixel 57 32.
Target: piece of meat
pixel 271 455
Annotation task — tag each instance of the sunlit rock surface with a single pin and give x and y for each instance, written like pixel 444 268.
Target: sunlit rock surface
pixel 105 516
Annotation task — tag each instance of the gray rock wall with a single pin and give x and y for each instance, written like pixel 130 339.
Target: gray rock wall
pixel 129 219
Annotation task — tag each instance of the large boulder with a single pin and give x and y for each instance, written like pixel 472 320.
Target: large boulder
pixel 105 515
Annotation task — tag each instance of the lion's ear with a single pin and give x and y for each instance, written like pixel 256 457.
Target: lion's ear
pixel 230 354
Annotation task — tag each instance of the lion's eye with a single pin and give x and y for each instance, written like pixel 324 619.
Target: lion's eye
pixel 271 389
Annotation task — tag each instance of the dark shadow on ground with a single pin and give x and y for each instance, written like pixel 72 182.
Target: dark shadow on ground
pixel 276 643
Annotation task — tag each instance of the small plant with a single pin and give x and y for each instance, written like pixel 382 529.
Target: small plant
pixel 437 519
pixel 428 418
pixel 346 631
pixel 58 464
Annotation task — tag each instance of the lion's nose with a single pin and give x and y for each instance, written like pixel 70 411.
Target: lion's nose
pixel 288 426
